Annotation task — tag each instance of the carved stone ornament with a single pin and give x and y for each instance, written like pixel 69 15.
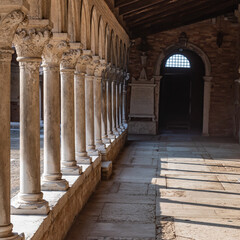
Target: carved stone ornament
pixel 8 26
pixel 113 74
pixel 83 62
pixel 30 43
pixel 31 68
pixel 69 59
pixel 53 51
pixel 92 66
pixel 100 69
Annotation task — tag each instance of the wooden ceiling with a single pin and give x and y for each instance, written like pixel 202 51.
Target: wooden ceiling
pixel 145 17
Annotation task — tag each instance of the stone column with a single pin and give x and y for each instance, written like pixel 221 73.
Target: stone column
pixel 89 106
pixel 206 104
pixel 52 176
pixel 67 69
pixel 8 26
pixel 80 123
pixel 124 103
pixel 29 43
pixel 109 104
pixel 114 102
pixel 105 137
pixel 98 75
pixel 120 102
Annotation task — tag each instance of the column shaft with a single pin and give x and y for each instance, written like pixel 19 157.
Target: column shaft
pixel 109 109
pixel 80 123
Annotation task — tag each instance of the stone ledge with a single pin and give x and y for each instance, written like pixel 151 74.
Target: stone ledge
pixel 106 170
pixel 64 206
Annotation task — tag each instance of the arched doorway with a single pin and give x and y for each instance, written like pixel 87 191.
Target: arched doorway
pixel 181 92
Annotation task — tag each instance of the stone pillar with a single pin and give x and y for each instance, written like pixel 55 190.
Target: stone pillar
pixel 89 106
pixel 105 137
pixel 114 103
pixel 29 43
pixel 80 123
pixel 98 75
pixel 206 104
pixel 8 26
pixel 109 104
pixel 124 103
pixel 67 69
pixel 120 102
pixel 52 176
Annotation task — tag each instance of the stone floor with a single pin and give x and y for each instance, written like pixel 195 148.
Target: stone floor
pixel 169 187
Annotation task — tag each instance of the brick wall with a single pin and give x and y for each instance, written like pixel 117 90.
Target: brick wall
pixel 224 62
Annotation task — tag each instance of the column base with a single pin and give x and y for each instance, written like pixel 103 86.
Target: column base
pixel 106 140
pixel 57 185
pixel 74 170
pixel 111 136
pixel 14 236
pixel 100 146
pixel 84 160
pixel 93 153
pixel 19 207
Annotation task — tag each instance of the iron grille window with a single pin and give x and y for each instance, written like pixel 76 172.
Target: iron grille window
pixel 178 61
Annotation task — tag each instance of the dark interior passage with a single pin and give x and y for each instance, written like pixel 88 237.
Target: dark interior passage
pixel 181 94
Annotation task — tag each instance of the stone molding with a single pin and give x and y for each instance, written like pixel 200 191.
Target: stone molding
pixel 31 40
pixel 8 25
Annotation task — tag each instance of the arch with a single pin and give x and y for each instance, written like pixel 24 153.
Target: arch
pixel 57 13
pixel 189 46
pixel 74 21
pixel 207 78
pixel 85 25
pixel 124 57
pixel 107 44
pixel 116 50
pixel 101 39
pixel 112 49
pixel 94 31
pixel 121 55
pixel 178 61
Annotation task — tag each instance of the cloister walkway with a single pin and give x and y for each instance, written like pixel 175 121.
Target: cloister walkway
pixel 167 187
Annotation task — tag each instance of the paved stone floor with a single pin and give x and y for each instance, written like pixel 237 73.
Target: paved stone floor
pixel 169 187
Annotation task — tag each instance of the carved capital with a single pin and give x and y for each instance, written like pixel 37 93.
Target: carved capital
pixel 8 25
pixel 30 68
pixel 84 60
pixel 100 69
pixel 31 40
pixel 53 51
pixel 92 66
pixel 69 59
pixel 112 74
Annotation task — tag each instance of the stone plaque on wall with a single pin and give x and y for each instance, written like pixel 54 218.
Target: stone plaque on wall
pixel 142 100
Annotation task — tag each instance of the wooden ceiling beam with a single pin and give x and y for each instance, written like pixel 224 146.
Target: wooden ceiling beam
pixel 135 7
pixel 168 25
pixel 121 3
pixel 157 10
pixel 191 10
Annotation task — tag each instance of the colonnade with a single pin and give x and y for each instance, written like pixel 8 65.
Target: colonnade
pixel 84 109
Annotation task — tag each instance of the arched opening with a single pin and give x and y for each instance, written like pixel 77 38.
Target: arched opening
pixel 181 92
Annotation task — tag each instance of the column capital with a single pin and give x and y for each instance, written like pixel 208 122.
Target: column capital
pixel 100 68
pixel 84 60
pixel 8 25
pixel 70 58
pixel 92 66
pixel 54 50
pixel 31 40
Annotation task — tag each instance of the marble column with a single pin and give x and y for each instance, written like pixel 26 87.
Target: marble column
pixel 120 102
pixel 80 122
pixel 105 137
pixel 29 43
pixel 124 103
pixel 11 22
pixel 109 104
pixel 114 102
pixel 98 75
pixel 52 176
pixel 67 69
pixel 206 104
pixel 89 106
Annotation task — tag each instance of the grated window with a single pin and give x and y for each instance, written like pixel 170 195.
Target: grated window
pixel 178 61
